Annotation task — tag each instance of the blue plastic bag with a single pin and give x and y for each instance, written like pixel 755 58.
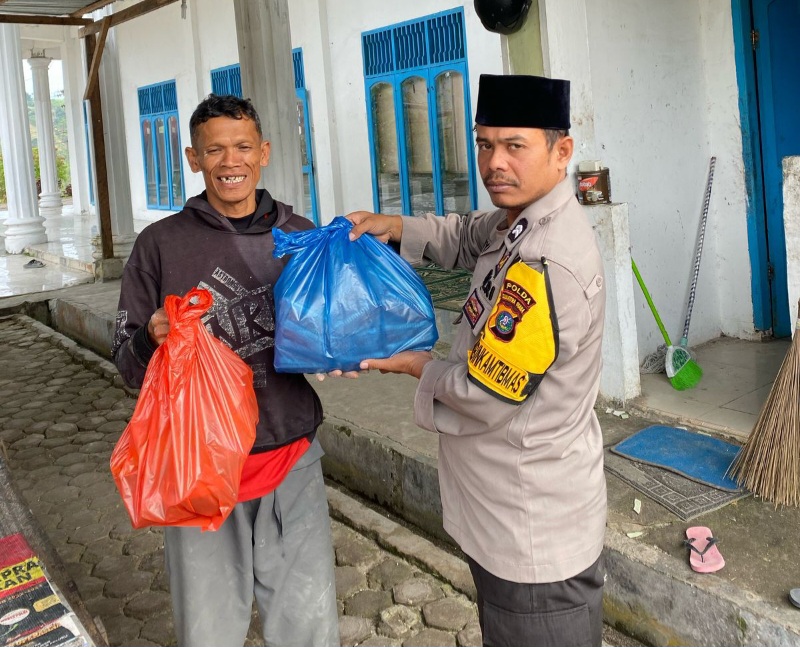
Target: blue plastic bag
pixel 339 301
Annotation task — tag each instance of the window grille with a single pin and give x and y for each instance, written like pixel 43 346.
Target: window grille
pixel 227 80
pixel 419 115
pixel 417 43
pixel 159 127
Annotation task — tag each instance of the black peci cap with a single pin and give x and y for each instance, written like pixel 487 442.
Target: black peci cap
pixel 523 101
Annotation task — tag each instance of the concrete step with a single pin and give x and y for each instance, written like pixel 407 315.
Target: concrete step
pixel 55 258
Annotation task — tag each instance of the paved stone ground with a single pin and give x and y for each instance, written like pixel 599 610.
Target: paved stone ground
pixel 62 409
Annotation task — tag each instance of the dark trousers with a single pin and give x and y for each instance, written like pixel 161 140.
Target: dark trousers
pixel 556 614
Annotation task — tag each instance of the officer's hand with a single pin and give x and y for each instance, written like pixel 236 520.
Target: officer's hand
pixel 384 228
pixel 409 362
pixel 158 327
pixel 337 373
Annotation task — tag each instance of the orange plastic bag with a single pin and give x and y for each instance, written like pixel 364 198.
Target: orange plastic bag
pixel 180 459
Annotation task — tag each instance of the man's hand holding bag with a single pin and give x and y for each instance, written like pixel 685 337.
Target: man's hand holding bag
pixel 180 459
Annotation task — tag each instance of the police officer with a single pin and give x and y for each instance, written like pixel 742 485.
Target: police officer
pixel 520 447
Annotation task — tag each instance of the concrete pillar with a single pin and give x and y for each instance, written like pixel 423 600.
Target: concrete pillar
pixel 522 50
pixel 23 225
pixel 50 195
pixel 791 226
pixel 566 55
pixel 265 55
pixel 74 80
pixel 327 151
pixel 620 378
pixel 119 188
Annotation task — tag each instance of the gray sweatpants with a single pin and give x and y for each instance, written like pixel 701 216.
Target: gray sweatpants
pixel 277 547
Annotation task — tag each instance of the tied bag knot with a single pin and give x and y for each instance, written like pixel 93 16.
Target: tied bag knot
pixel 184 314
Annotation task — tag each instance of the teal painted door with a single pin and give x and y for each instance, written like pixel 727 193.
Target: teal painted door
pixel 777 60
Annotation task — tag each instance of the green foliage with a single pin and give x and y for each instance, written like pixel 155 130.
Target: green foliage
pixel 61 146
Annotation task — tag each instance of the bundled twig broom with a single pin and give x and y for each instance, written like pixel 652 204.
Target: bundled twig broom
pixel 769 463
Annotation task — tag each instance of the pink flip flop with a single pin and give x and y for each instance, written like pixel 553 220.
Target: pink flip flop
pixel 704 556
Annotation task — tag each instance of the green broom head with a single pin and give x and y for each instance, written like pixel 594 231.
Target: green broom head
pixel 683 372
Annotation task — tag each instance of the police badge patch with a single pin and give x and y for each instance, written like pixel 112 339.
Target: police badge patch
pixel 515 301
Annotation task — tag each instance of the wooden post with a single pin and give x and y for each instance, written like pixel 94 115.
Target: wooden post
pixel 99 153
pixel 94 66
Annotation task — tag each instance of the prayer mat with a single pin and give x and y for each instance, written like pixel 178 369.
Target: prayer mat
pixel 696 456
pixel 682 496
pixel 448 288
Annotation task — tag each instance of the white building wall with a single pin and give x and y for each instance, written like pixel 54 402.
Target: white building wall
pixel 665 100
pixel 661 97
pixel 345 25
pixel 215 39
pixel 308 20
pixel 730 267
pixel 161 46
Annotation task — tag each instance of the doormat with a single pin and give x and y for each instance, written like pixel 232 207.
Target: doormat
pixel 689 453
pixel 683 497
pixel 448 288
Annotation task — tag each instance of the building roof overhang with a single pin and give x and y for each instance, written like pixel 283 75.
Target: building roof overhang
pixel 71 12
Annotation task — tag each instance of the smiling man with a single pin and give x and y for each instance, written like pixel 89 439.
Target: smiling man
pixel 520 447
pixel 276 544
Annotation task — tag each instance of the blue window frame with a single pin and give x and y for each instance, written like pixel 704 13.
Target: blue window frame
pixel 161 146
pixel 228 80
pixel 419 116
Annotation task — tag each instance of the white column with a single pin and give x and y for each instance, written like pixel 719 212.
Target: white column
pixel 74 80
pixel 619 380
pixel 50 195
pixel 119 187
pixel 265 54
pixel 23 225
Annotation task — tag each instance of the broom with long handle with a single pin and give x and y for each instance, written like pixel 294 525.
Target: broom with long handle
pixel 688 372
pixel 769 462
pixel 678 356
pixel 700 238
pixel 682 370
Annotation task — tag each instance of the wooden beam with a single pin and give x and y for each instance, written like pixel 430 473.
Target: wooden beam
pixel 89 8
pixel 99 154
pixel 94 69
pixel 20 19
pixel 139 9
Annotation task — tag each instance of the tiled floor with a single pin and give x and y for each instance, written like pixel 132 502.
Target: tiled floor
pixel 15 279
pixel 737 374
pixel 66 262
pixel 72 241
